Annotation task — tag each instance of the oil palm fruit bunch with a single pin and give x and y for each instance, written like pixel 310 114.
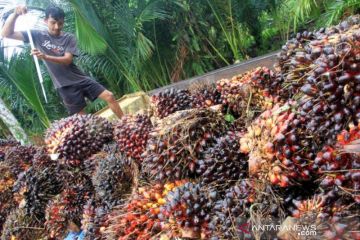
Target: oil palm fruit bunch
pixel 223 163
pixel 229 213
pixel 253 91
pixel 333 98
pixel 320 58
pixel 265 85
pixel 20 226
pixel 170 101
pixel 94 220
pixel 332 215
pixel 19 158
pixel 205 95
pixel 7 180
pixel 234 94
pixel 65 208
pixel 4 144
pixel 112 179
pixel 131 133
pixel 325 71
pixel 294 58
pixel 188 208
pixel 138 218
pixel 279 147
pixel 77 137
pixel 178 142
pixel 339 170
pixel 338 166
pixel 37 186
pixel 91 163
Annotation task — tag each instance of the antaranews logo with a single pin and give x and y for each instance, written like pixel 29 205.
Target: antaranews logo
pixel 272 229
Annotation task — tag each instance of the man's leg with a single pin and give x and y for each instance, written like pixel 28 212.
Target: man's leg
pixel 108 96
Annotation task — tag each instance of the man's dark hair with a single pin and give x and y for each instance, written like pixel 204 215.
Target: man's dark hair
pixel 54 12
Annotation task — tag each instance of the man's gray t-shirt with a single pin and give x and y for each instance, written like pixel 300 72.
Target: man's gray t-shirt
pixel 61 74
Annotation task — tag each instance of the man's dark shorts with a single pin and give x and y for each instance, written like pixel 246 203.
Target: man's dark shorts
pixel 74 96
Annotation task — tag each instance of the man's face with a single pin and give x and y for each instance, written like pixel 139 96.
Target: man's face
pixel 54 26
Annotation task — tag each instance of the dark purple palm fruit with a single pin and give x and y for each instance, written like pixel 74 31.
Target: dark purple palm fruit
pixel 4 144
pixel 307 57
pixel 38 185
pixel 229 218
pixel 112 180
pixel 77 137
pixel 188 207
pixel 131 134
pixel 7 181
pixel 170 101
pixel 333 216
pixel 250 93
pixel 94 220
pixel 178 141
pixel 19 158
pixel 205 95
pixel 223 163
pixel 338 166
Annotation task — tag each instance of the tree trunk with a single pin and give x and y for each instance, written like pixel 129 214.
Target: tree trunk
pixel 14 126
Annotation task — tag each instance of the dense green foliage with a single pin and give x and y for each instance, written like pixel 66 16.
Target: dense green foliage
pixel 144 44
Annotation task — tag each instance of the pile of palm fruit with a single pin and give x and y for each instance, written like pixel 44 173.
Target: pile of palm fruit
pixel 288 157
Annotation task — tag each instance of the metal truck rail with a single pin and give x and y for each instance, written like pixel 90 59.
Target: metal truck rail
pixel 267 60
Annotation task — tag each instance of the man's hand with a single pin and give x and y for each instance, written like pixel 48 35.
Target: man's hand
pixel 20 10
pixel 8 28
pixel 38 54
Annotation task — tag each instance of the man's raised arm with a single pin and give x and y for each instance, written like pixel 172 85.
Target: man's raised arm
pixel 8 28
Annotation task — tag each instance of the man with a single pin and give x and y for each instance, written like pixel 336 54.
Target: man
pixel 57 49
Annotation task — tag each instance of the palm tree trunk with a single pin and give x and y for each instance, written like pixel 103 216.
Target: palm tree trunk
pixel 14 126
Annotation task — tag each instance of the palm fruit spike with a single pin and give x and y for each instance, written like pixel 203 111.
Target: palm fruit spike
pixel 188 208
pixel 278 146
pixel 229 213
pixel 179 141
pixel 139 217
pixel 38 185
pixel 19 158
pixel 205 95
pixel 7 180
pixel 18 225
pixel 112 179
pixel 131 133
pixel 78 136
pixel 223 163
pixel 250 93
pixel 170 101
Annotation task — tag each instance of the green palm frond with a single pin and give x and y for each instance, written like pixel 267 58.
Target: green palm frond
pixel 335 9
pixel 144 47
pixel 152 11
pixel 19 71
pixel 88 28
